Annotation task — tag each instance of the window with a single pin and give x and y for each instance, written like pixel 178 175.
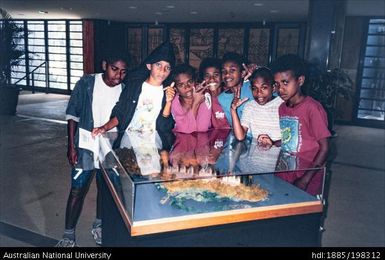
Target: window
pixel 371 104
pixel 53 55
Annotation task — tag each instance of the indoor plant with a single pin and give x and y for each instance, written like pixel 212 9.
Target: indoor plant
pixel 11 56
pixel 326 86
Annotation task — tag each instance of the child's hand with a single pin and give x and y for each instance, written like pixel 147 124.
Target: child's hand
pixel 237 102
pixel 249 68
pixel 199 93
pixel 170 92
pixel 265 141
pixel 98 131
pixel 201 86
pixel 72 156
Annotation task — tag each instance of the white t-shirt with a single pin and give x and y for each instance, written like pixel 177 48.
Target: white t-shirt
pixel 147 110
pixel 262 119
pixel 103 101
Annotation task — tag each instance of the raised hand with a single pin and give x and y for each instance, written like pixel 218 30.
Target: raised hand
pixel 170 92
pixel 237 101
pixel 249 68
pixel 265 141
pixel 199 93
pixel 201 86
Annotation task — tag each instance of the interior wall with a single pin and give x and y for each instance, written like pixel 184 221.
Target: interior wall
pixel 108 36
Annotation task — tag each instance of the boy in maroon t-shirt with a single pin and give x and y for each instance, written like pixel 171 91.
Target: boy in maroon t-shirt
pixel 303 120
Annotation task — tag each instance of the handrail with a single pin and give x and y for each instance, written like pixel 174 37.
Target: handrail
pixel 26 75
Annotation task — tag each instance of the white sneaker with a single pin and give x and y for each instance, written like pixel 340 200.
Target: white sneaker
pixel 97 234
pixel 65 242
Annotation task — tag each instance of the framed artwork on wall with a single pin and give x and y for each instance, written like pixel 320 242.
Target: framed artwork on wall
pixel 155 38
pixel 259 40
pixel 288 41
pixel 177 37
pixel 230 40
pixel 135 45
pixel 201 45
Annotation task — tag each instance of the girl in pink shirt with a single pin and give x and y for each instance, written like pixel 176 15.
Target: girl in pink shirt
pixel 191 107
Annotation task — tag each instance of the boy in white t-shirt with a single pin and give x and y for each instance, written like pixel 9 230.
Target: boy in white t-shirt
pixel 90 106
pixel 261 117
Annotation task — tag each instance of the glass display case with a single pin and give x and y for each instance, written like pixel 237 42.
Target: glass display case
pixel 164 183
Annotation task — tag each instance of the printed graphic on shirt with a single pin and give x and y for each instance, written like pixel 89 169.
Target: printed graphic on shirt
pixel 149 105
pixel 290 134
pixel 219 115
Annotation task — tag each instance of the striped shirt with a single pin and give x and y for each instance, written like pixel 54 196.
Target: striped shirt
pixel 262 119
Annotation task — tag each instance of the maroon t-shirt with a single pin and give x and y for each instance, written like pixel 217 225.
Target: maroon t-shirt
pixel 218 117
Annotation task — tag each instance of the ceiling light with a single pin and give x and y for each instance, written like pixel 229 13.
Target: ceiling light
pixel 258 4
pixel 42 12
pixel 132 7
pixel 158 13
pixel 193 12
pixel 274 11
pixel 170 6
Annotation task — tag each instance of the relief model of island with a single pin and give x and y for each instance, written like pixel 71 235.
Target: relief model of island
pixel 211 190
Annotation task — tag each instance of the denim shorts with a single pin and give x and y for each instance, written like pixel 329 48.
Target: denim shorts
pixel 81 178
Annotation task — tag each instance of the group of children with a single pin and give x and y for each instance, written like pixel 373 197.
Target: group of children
pixel 221 99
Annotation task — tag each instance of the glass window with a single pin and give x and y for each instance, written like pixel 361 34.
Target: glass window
pixel 55 51
pixel 135 45
pixel 371 105
pixel 230 40
pixel 155 38
pixel 177 37
pixel 76 58
pixel 259 46
pixel 288 41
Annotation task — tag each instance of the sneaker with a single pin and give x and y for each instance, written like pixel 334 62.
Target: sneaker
pixel 97 234
pixel 65 242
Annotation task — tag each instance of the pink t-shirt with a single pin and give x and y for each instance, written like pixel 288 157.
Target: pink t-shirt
pixel 302 126
pixel 185 122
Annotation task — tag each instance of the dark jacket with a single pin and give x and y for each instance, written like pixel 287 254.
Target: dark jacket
pixel 79 109
pixel 124 110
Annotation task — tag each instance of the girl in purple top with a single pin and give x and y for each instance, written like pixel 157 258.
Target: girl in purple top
pixel 191 107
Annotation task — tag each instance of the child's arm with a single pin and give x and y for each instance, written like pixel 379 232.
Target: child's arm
pixel 71 151
pixel 239 130
pixel 266 141
pixel 170 94
pixel 319 161
pixel 321 156
pixel 199 97
pixel 106 127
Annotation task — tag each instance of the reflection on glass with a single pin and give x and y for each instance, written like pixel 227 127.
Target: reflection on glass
pixel 167 175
